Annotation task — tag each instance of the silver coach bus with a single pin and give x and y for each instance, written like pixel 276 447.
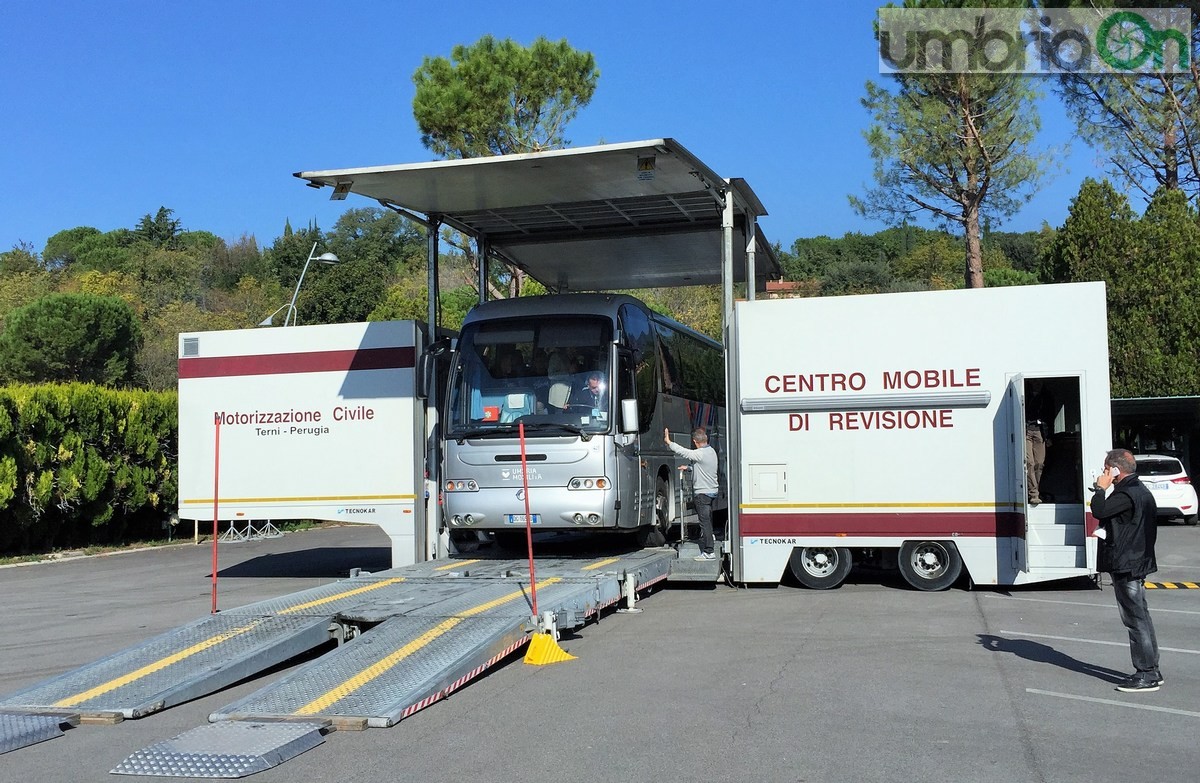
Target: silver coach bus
pixel 594 379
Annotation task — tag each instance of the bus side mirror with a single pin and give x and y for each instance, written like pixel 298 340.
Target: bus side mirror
pixel 629 416
pixel 427 365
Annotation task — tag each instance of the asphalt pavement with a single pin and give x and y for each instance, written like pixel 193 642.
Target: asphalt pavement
pixel 869 682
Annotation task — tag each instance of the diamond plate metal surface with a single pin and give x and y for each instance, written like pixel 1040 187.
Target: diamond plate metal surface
pixel 170 668
pixel 233 749
pixel 512 598
pixel 386 670
pixel 408 598
pixel 326 600
pixel 20 730
pixel 653 562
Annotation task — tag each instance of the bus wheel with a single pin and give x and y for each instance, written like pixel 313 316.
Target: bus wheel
pixel 929 565
pixel 662 507
pixel 820 567
pixel 650 536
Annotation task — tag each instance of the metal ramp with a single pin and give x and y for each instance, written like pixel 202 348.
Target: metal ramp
pixel 175 667
pixel 413 635
pixel 223 750
pixel 448 624
pixel 19 730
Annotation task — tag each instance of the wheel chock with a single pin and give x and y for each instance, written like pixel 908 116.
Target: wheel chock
pixel 543 650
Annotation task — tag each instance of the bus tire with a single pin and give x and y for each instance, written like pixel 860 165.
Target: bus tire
pixel 820 567
pixel 662 507
pixel 929 565
pixel 651 537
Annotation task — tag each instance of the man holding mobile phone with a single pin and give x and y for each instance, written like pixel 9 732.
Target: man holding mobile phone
pixel 1127 517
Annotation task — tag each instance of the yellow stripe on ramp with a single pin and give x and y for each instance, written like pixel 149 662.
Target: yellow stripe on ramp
pixel 601 564
pixel 336 596
pixel 158 665
pixel 207 644
pixel 456 564
pixel 376 670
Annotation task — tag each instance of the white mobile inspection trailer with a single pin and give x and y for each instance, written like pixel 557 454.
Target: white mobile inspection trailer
pixel 315 422
pixel 895 425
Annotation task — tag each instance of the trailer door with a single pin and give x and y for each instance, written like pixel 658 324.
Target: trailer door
pixel 1020 472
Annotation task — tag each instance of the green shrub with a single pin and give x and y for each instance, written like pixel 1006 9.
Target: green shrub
pixel 82 464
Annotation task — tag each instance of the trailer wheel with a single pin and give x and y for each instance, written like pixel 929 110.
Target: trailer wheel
pixel 929 565
pixel 820 567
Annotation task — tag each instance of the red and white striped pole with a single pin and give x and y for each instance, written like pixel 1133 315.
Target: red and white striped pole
pixel 528 518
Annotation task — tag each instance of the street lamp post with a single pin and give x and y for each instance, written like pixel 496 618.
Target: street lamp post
pixel 290 319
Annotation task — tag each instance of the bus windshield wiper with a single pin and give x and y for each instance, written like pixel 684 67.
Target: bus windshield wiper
pixel 583 434
pixel 484 432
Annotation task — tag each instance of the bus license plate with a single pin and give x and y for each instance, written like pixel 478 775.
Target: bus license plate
pixel 519 519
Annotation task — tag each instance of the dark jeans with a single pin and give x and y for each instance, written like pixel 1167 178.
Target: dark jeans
pixel 704 514
pixel 1131 602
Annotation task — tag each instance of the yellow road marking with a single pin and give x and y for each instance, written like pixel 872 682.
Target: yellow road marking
pixel 158 665
pixel 456 564
pixel 600 564
pixel 378 669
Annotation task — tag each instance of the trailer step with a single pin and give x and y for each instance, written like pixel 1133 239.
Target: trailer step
pixel 687 569
pixel 233 749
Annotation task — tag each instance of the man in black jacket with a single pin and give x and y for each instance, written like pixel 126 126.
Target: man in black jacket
pixel 1127 552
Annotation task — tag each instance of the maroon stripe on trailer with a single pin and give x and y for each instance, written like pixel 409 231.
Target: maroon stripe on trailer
pixel 924 524
pixel 288 363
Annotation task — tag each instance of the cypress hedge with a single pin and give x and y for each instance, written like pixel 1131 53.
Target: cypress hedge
pixel 84 465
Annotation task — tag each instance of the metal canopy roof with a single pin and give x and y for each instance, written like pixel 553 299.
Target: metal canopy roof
pixel 634 215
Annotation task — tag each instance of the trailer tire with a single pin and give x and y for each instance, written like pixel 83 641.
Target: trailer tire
pixel 929 565
pixel 819 567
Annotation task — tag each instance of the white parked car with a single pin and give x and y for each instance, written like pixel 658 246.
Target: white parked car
pixel 1168 482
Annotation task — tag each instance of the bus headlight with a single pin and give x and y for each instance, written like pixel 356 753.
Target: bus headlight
pixel 589 482
pixel 461 485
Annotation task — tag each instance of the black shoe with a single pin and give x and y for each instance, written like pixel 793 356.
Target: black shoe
pixel 1153 676
pixel 1142 682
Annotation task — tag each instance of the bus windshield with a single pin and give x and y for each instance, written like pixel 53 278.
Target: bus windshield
pixel 549 373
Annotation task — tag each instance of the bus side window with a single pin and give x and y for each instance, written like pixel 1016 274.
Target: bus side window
pixel 640 341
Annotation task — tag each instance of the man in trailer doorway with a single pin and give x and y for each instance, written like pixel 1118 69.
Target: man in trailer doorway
pixel 1127 536
pixel 705 486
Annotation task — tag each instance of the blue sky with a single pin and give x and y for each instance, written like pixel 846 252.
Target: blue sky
pixel 115 109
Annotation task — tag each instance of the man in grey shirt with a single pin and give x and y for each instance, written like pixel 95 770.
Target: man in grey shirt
pixel 704 484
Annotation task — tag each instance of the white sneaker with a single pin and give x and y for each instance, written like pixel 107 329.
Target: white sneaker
pixel 706 556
